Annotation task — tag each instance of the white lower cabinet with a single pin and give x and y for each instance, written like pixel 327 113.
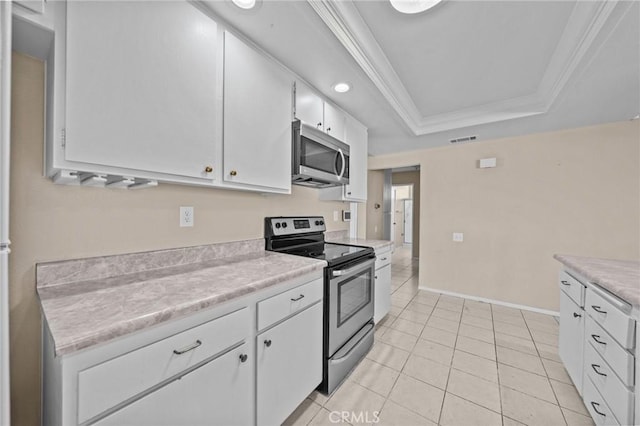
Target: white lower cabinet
pixel 289 365
pixel 571 341
pixel 216 393
pixel 382 286
pixel 597 346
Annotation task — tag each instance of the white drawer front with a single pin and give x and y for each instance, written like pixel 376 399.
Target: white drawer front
pixel 284 304
pixel 597 407
pixel 383 259
pixel 574 288
pixel 618 323
pixel 617 396
pixel 114 381
pixel 621 361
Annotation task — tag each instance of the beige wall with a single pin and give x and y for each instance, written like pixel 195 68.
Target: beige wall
pixel 405 178
pixel 573 191
pixel 374 216
pixel 51 222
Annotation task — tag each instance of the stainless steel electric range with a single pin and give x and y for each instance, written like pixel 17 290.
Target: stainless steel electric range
pixel 348 291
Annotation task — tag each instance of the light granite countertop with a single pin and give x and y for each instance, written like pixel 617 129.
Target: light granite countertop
pixel 619 277
pixel 91 301
pixel 342 237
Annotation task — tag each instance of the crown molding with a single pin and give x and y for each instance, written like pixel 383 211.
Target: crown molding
pixel 585 23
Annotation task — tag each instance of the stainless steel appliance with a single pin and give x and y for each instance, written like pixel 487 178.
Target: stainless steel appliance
pixel 348 291
pixel 317 159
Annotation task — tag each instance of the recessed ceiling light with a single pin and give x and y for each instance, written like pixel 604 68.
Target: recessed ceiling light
pixel 413 6
pixel 342 87
pixel 244 4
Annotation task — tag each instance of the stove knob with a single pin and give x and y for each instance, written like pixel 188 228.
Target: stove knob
pixel 277 225
pixel 284 224
pixel 322 222
pixel 317 222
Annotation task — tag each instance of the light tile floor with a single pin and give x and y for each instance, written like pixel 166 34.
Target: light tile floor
pixel 450 361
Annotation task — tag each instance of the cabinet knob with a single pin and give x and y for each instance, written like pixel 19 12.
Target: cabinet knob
pixel 328 129
pixel 267 342
pixel 575 315
pixel 243 357
pixel 376 277
pixel 233 173
pixel 208 169
pixel 318 125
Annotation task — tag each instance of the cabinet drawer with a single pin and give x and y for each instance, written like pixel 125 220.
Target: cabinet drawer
pixel 608 312
pixel 574 288
pixel 615 393
pixel 117 380
pixel 383 259
pixel 284 304
pixel 600 412
pixel 621 361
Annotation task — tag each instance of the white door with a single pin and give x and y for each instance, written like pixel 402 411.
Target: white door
pixel 334 122
pixel 398 222
pixel 571 340
pixel 257 118
pixel 309 106
pixel 289 365
pixel 408 221
pixel 218 393
pixel 141 86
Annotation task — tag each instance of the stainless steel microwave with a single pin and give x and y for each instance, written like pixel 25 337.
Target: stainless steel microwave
pixel 318 159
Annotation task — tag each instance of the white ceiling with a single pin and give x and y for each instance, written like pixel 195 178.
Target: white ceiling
pixel 486 68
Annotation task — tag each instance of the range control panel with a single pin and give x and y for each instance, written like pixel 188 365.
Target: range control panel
pixel 277 226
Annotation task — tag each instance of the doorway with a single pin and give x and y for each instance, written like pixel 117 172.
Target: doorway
pixel 402 216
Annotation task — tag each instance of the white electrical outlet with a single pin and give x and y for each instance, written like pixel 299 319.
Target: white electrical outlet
pixel 186 216
pixel 458 237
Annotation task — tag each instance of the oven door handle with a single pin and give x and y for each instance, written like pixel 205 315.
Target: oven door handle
pixel 350 271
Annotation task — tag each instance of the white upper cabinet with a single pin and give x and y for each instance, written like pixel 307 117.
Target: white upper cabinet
pixel 357 139
pixel 334 122
pixel 141 87
pixel 309 106
pixel 257 119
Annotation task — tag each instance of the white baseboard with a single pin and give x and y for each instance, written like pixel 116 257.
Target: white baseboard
pixel 495 302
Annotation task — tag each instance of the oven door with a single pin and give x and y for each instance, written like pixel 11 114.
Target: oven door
pixel 350 301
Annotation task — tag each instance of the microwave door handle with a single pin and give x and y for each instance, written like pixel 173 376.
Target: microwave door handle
pixel 335 164
pixel 343 163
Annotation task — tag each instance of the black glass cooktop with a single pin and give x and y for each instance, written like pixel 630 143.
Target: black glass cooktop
pixel 333 253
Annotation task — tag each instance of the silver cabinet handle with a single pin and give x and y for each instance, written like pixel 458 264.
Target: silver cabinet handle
pixel 598 310
pixel 318 125
pixel 576 315
pixel 565 283
pixel 328 129
pixel 297 298
pixel 384 258
pixel 187 349
pixel 267 342
pixel 595 406
pixel 595 337
pixel 595 368
pixel 243 357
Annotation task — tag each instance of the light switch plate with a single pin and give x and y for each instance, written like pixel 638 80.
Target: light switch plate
pixel 186 216
pixel 458 237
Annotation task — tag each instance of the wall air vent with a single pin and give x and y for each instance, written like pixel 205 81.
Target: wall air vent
pixel 463 139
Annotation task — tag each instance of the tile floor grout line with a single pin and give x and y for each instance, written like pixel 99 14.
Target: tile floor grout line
pixel 495 347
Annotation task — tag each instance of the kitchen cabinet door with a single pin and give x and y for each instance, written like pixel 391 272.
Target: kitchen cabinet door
pixel 571 340
pixel 141 86
pixel 289 365
pixel 217 393
pixel 257 118
pixel 334 122
pixel 382 294
pixel 356 137
pixel 309 106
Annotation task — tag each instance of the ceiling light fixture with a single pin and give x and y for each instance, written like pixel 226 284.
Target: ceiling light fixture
pixel 244 4
pixel 413 6
pixel 342 87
